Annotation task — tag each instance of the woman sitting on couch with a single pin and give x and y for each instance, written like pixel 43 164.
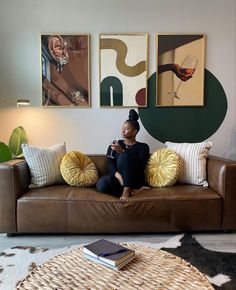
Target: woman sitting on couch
pixel 126 161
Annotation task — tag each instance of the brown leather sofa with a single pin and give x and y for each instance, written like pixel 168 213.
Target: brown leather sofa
pixel 65 209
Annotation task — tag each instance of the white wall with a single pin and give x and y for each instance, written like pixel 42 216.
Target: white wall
pixel 90 129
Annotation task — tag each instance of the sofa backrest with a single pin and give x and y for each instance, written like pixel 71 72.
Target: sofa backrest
pixel 100 161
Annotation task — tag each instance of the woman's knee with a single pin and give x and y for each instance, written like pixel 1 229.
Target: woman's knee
pixel 110 185
pixel 104 184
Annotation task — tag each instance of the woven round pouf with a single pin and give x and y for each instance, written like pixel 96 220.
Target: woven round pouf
pixel 150 269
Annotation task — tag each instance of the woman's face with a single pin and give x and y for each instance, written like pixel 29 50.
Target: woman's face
pixel 128 130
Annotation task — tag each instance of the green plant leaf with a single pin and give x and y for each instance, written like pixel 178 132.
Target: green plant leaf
pixel 17 138
pixel 5 153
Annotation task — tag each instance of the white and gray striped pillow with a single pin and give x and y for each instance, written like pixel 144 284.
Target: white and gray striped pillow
pixel 44 163
pixel 193 155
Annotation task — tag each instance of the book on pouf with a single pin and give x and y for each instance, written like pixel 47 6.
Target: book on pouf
pixel 117 267
pixel 108 253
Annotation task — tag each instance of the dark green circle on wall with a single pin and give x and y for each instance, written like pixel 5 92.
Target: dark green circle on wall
pixel 185 124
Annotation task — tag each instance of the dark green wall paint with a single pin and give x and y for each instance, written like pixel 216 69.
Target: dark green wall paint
pixel 185 124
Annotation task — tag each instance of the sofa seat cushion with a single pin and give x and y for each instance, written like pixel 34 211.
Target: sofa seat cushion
pixel 176 192
pixel 66 193
pixel 54 192
pixel 192 192
pixel 84 210
pixel 190 207
pixel 195 209
pixel 69 210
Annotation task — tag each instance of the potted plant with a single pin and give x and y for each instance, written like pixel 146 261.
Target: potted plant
pixel 13 149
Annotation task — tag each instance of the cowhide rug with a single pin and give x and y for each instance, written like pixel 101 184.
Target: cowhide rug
pixel 219 267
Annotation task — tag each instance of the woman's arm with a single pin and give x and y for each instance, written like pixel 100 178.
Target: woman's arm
pixel 111 163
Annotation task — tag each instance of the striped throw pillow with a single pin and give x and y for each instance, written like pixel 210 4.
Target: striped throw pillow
pixel 44 164
pixel 193 161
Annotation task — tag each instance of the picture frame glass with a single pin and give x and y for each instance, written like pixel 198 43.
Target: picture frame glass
pixel 65 71
pixel 180 69
pixel 123 70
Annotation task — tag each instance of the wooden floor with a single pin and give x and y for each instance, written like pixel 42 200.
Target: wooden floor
pixel 218 241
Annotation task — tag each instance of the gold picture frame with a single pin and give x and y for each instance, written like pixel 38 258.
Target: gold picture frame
pixel 180 70
pixel 65 70
pixel 123 69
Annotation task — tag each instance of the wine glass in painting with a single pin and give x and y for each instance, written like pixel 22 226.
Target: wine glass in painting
pixel 188 67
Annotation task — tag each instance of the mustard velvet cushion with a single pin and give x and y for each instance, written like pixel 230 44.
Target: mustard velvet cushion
pixel 78 169
pixel 163 168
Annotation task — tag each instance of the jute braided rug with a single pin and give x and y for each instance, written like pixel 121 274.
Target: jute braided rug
pixel 150 269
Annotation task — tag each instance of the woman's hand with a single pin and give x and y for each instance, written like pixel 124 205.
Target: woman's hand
pixel 117 147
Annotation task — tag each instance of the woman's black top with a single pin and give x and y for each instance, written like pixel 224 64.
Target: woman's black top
pixel 139 151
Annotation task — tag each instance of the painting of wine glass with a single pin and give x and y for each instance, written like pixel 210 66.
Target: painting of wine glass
pixel 65 68
pixel 180 70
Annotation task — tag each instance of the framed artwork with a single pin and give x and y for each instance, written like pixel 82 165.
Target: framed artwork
pixel 123 70
pixel 65 64
pixel 180 69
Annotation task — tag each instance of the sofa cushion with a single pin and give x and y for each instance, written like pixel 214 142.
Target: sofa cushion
pixel 163 168
pixel 44 163
pixel 61 208
pixel 78 169
pixel 193 158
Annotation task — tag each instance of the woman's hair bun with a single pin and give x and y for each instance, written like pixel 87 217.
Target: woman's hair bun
pixel 133 115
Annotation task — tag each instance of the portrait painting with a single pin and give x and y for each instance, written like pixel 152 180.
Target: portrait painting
pixel 123 70
pixel 65 70
pixel 180 69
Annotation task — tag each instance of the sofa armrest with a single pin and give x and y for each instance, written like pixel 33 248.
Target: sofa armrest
pixel 14 181
pixel 222 179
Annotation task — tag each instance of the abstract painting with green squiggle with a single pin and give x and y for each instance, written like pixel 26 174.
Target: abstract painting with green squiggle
pixel 123 70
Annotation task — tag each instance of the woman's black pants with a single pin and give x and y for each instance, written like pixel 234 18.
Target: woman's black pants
pixel 131 171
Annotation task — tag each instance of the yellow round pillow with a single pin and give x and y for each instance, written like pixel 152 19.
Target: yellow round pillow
pixel 163 168
pixel 78 169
